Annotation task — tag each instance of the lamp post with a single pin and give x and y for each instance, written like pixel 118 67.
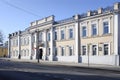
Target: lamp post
pixel 88 54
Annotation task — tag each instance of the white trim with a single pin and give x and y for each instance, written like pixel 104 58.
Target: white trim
pixel 91 47
pixel 115 33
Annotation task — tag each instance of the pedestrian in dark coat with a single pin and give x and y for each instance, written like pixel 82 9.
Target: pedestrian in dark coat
pixel 40 54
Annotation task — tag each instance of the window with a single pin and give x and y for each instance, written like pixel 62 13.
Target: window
pixel 24 41
pixel 24 52
pixel 105 27
pixel 94 29
pixel 27 40
pixel 21 52
pixel 94 50
pixel 48 54
pixel 70 33
pixel 16 53
pixel 62 34
pixel 84 31
pixel 48 37
pixel 63 51
pixel 16 42
pixel 33 39
pixel 55 51
pixel 106 49
pixel 55 35
pixel 40 36
pixel 70 51
pixel 83 50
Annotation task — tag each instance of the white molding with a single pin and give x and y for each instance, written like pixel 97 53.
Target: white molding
pixel 115 34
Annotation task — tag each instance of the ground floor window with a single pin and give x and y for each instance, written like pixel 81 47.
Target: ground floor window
pixel 106 49
pixel 94 49
pixel 63 51
pixel 83 50
pixel 55 51
pixel 48 53
pixel 70 51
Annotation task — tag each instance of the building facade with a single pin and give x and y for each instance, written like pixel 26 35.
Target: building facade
pixel 92 37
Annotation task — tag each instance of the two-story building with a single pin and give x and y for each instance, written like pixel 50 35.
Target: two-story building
pixel 92 37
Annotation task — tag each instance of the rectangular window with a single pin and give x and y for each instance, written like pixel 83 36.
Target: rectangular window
pixel 55 51
pixel 105 27
pixel 94 29
pixel 106 49
pixel 63 51
pixel 33 39
pixel 70 51
pixel 55 35
pixel 70 33
pixel 94 49
pixel 48 37
pixel 48 54
pixel 83 50
pixel 16 42
pixel 84 31
pixel 40 36
pixel 62 34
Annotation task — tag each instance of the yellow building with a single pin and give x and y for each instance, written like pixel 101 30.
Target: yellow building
pixel 3 51
pixel 92 37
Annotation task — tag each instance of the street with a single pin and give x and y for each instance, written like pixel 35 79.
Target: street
pixel 38 71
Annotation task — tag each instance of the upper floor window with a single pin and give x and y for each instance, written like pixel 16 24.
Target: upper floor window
pixel 48 37
pixel 62 34
pixel 94 29
pixel 70 33
pixel 28 40
pixel 84 32
pixel 84 50
pixel 33 39
pixel 40 36
pixel 105 27
pixel 55 35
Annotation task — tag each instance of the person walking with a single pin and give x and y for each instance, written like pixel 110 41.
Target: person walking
pixel 40 54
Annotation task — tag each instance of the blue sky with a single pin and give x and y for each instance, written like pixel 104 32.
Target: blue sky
pixel 13 19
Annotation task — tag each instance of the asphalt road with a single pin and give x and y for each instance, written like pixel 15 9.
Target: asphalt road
pixel 38 71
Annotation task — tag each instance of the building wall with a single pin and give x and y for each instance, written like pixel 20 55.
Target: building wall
pixel 3 52
pixel 105 42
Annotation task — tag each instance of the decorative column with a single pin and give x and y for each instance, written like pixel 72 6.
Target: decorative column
pixel 35 45
pixel 19 46
pixel 116 34
pixel 51 44
pixel 30 46
pixel 45 45
pixel 77 40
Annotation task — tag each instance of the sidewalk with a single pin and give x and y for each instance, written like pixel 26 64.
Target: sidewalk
pixel 71 64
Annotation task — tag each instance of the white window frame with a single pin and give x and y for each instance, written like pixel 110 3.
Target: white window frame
pixel 106 20
pixel 109 45
pixel 82 50
pixel 96 48
pixel 72 51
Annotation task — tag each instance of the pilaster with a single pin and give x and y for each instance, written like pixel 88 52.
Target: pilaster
pixel 51 44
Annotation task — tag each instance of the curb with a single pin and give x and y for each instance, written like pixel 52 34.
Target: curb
pixel 70 65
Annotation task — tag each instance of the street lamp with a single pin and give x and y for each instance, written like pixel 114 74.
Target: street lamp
pixel 88 45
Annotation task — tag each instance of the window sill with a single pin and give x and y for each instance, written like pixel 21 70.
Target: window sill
pixel 108 34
